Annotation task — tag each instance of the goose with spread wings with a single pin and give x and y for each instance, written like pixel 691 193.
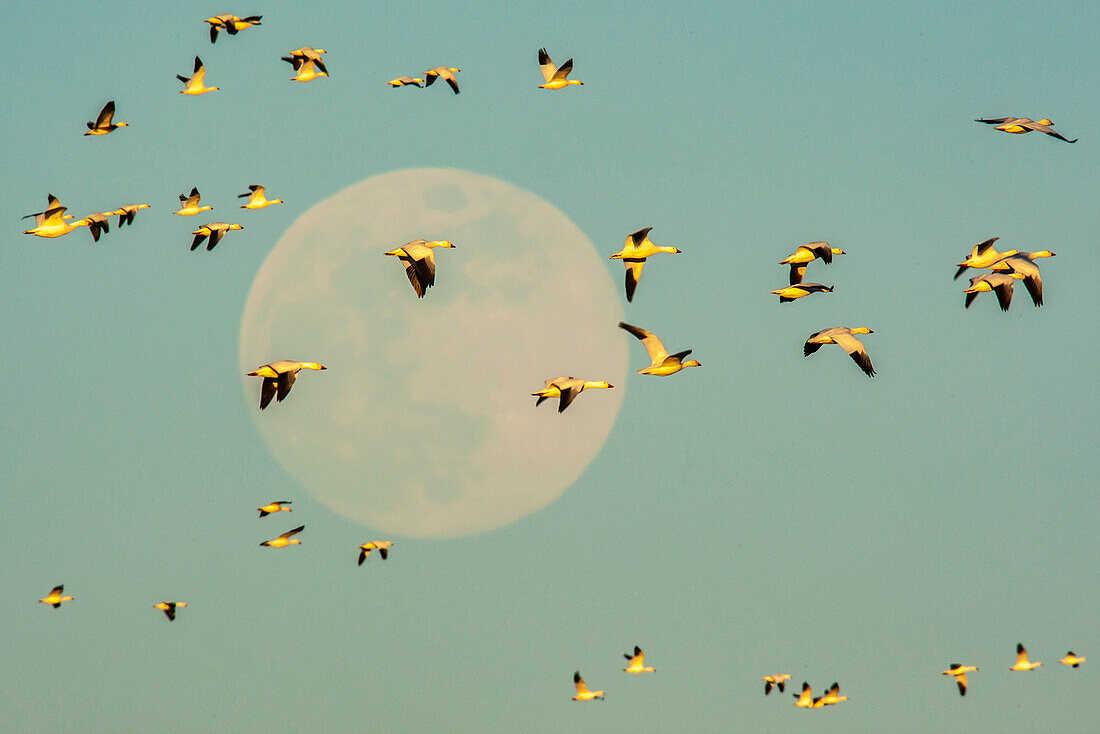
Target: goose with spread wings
pixel 279 377
pixel 103 124
pixel 662 363
pixel 1022 125
pixel 555 76
pixel 419 262
pixel 566 388
pixel 845 338
pixel 634 253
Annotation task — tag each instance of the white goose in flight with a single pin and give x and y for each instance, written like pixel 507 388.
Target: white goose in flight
pixel 566 388
pixel 419 262
pixel 634 253
pixel 845 338
pixel 662 363
pixel 555 76
pixel 279 378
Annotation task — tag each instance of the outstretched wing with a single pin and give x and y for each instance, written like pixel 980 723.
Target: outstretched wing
pixel 546 66
pixel 653 346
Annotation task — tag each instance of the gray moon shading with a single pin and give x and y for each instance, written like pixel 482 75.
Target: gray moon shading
pixel 423 424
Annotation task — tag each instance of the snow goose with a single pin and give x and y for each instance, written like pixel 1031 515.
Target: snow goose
pixel 776 680
pixel 306 69
pixel 406 81
pixel 214 231
pixel 999 283
pixel 830 697
pixel 959 672
pixel 805 700
pixel 419 262
pixel 843 337
pixel 634 253
pixel 1021 125
pixel 555 76
pixel 1022 663
pixel 583 694
pixel 662 363
pixel 308 53
pixel 54 598
pixel 103 124
pixel 284 540
pixel 636 663
pixel 279 377
pixel 1072 660
pixel 982 255
pixel 256 198
pixel 189 204
pixel 195 85
pixel 277 506
pixel 127 213
pixel 800 290
pixel 231 24
pixel 566 388
pixel 169 608
pixel 53 222
pixel 446 73
pixel 382 546
pixel 1028 270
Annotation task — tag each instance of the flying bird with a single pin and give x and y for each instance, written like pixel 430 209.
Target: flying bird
pixel 583 694
pixel 195 85
pixel 419 262
pixel 831 696
pixel 805 254
pixel 843 337
pixel 555 76
pixel 53 222
pixel 231 24
pixel 257 198
pixel 1072 660
pixel 959 671
pixel 634 253
pixel 999 283
pixel 982 255
pixel 636 663
pixel 1023 263
pixel 446 73
pixel 566 388
pixel 214 231
pixel 54 598
pixel 278 506
pixel 776 680
pixel 799 290
pixel 169 608
pixel 308 53
pixel 406 81
pixel 1022 663
pixel 805 700
pixel 127 213
pixel 284 540
pixel 661 363
pixel 382 546
pixel 98 223
pixel 103 124
pixel 307 69
pixel 1021 125
pixel 189 204
pixel 279 377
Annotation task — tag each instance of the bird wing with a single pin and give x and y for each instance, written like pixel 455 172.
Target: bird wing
pixel 994 120
pixel 821 250
pixel 1032 278
pixel 579 683
pixel 546 66
pixel 106 114
pixel 653 346
pixel 190 200
pixel 563 70
pixel 634 267
pixel 1021 655
pixel 446 74
pixel 960 680
pixel 267 389
pixel 199 237
pixel 216 235
pixel 1004 293
pixel 284 382
pixel 635 239
pixel 568 394
pixel 798 272
pixel 855 348
pixel 1048 130
pixel 295 531
pixel 200 73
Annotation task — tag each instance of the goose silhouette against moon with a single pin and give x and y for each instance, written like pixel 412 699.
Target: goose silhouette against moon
pixel 423 424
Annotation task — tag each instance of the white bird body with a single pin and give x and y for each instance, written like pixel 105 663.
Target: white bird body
pixel 555 76
pixel 566 388
pixel 194 85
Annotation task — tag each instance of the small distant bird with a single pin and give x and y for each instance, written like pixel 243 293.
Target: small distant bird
pixel 382 546
pixel 799 290
pixel 959 671
pixel 634 253
pixel 307 69
pixel 661 363
pixel 257 199
pixel 583 694
pixel 308 53
pixel 999 283
pixel 127 213
pixel 214 231
pixel 189 204
pixel 419 262
pixel 805 254
pixel 279 506
pixel 1024 264
pixel 406 81
pixel 54 598
pixel 843 337
pixel 279 378
pixel 103 124
pixel 982 255
pixel 636 663
pixel 169 608
pixel 195 85
pixel 447 73
pixel 1022 663
pixel 566 388
pixel 231 24
pixel 555 76
pixel 1072 660
pixel 831 696
pixel 776 680
pixel 805 700
pixel 284 540
pixel 1021 125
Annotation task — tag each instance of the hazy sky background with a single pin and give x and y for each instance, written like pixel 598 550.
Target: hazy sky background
pixel 765 513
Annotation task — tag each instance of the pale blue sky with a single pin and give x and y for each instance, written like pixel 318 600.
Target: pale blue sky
pixel 764 513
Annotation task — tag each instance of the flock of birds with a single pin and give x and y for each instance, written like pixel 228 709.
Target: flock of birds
pixel 418 259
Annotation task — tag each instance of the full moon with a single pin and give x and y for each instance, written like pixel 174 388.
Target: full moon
pixel 423 424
